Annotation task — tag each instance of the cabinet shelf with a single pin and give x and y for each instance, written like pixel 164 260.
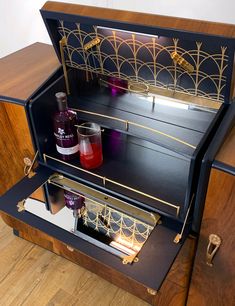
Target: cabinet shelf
pixel 179 129
pixel 136 169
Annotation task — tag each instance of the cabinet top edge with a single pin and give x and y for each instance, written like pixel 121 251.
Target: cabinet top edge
pixel 178 23
pixel 26 70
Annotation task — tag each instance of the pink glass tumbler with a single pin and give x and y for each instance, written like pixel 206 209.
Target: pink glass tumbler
pixel 89 137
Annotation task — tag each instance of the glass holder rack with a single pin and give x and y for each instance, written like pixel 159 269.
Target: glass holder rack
pixel 106 222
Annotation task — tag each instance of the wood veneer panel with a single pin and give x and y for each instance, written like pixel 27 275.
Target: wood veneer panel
pixel 172 292
pixel 15 144
pixel 24 71
pixel 227 152
pixel 38 195
pixel 213 28
pixel 215 285
pixel 21 74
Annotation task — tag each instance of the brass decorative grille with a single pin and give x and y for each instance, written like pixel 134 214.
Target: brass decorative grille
pixel 121 227
pixel 147 59
pixel 125 227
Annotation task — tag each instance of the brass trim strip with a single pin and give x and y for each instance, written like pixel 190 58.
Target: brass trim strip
pixel 67 164
pixel 144 194
pixel 105 179
pixel 63 43
pixel 178 237
pixel 127 123
pixel 164 134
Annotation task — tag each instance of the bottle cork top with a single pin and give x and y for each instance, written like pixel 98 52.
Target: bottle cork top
pixel 61 98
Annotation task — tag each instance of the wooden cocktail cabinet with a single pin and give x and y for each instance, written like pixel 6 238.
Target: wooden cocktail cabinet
pixel 160 89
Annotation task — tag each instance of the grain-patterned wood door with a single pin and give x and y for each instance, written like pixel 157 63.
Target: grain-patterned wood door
pixel 215 286
pixel 15 144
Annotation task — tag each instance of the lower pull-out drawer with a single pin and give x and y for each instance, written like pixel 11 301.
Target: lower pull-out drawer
pixel 101 238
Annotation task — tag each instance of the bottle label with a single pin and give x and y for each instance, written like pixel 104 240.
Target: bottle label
pixel 73 201
pixel 68 151
pixel 62 136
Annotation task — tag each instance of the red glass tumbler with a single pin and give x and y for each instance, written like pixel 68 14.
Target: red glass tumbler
pixel 89 138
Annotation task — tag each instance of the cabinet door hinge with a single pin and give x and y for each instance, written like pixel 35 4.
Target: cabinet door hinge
pixel 28 166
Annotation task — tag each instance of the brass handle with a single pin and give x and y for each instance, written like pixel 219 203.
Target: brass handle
pixel 178 59
pixel 212 248
pixel 70 248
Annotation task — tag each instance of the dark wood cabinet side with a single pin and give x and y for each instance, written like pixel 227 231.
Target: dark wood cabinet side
pixel 15 144
pixel 215 286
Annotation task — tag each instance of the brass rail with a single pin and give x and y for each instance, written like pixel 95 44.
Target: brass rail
pixel 128 123
pixel 105 179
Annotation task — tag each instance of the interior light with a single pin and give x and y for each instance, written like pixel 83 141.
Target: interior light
pixel 125 31
pixel 122 248
pixel 172 104
pixel 161 101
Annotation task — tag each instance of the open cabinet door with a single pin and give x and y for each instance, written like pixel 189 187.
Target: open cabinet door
pixel 148 274
pixel 12 202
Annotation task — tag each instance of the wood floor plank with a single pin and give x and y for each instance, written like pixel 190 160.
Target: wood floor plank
pixel 31 275
pixel 62 297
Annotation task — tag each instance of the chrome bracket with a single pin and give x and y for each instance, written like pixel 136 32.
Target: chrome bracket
pixel 63 43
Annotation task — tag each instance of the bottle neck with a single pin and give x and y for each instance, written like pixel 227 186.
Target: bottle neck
pixel 62 105
pixel 62 101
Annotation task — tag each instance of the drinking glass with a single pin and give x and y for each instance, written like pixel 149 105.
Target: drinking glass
pixel 90 145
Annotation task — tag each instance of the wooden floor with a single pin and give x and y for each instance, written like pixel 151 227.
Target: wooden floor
pixel 30 275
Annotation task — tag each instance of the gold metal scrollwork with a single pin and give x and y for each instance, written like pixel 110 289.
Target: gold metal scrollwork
pixel 153 47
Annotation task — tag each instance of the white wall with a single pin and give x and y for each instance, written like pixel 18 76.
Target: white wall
pixel 21 23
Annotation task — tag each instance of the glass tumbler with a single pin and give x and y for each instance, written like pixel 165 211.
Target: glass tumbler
pixel 90 145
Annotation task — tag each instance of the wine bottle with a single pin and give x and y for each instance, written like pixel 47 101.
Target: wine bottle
pixel 65 131
pixel 74 202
